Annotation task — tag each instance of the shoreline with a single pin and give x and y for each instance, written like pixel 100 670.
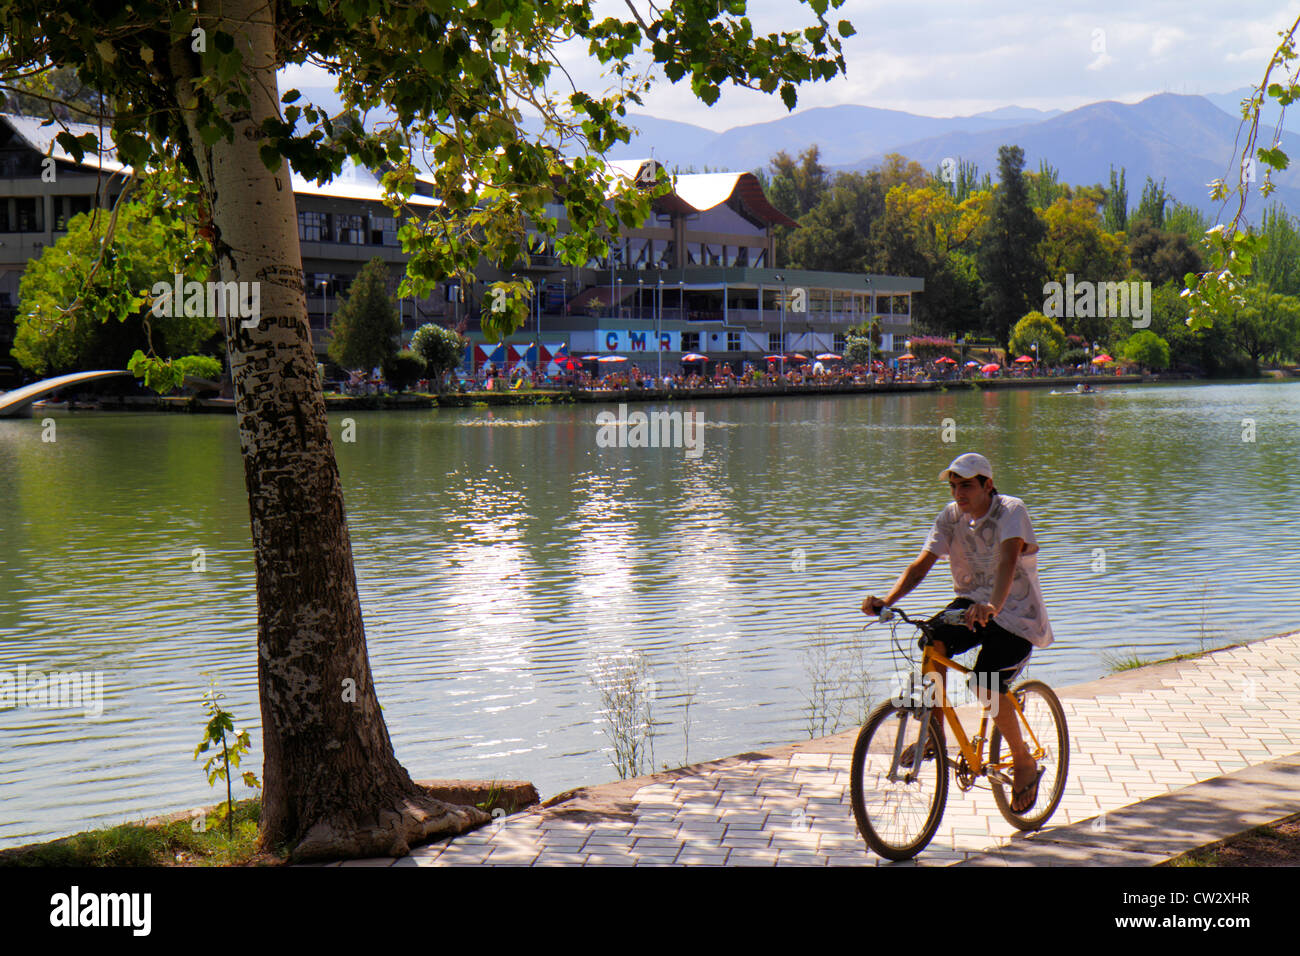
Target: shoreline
pixel 424 401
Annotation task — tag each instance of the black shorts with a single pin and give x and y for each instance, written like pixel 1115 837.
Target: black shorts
pixel 1001 652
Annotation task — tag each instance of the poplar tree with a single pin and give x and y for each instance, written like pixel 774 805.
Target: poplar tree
pixel 444 79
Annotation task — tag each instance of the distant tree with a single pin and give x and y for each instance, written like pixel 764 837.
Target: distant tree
pixel 1076 242
pixel 366 325
pixel 441 349
pixel 1045 186
pixel 1277 265
pixel 1159 255
pixel 960 181
pixel 924 233
pixel 1045 332
pixel 1187 221
pixel 1115 211
pixel 1266 328
pixel 797 185
pixel 1151 207
pixel 1146 349
pixel 1010 265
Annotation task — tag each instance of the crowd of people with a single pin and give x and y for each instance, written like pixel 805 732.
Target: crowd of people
pixel 592 376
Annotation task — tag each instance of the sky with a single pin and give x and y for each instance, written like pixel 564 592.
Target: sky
pixel 966 56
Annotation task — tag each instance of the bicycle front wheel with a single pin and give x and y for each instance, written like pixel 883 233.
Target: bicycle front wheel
pixel 898 817
pixel 1044 722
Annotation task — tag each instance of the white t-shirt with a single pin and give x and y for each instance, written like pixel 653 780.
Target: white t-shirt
pixel 973 549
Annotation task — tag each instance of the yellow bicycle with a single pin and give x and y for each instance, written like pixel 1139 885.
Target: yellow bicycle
pixel 898 802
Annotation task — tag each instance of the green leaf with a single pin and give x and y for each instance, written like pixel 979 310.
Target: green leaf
pixel 1273 157
pixel 270 157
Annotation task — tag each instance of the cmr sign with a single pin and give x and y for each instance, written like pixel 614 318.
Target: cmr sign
pixel 626 340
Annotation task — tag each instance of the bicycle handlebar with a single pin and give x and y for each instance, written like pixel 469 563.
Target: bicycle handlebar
pixel 950 616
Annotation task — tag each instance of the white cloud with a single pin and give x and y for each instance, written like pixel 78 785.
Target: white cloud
pixel 1165 39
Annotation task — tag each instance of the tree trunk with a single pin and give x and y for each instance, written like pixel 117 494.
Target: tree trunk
pixel 332 785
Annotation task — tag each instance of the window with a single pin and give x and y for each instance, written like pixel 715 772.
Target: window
pixel 313 227
pixel 4 216
pixel 774 342
pixel 690 341
pixel 27 213
pixel 349 229
pixel 383 231
pixel 733 341
pixel 841 342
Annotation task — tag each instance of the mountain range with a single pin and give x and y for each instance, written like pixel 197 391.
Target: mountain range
pixel 1185 140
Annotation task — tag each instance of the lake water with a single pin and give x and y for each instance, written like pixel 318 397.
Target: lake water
pixel 503 556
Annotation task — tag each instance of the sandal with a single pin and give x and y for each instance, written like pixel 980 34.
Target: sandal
pixel 1030 790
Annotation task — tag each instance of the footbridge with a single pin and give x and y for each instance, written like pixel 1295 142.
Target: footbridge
pixel 18 403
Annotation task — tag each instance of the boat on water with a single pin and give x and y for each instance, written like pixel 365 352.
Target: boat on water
pixel 1078 390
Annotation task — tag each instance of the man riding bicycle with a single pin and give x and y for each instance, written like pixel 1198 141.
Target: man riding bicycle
pixel 992 552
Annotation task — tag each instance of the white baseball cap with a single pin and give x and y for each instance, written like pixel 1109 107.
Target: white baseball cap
pixel 968 466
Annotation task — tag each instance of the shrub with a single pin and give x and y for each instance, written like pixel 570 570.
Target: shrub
pixel 403 370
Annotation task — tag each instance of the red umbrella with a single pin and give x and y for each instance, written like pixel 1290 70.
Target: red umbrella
pixel 991 367
pixel 944 360
pixel 1025 358
pixel 694 357
pixel 591 358
pixel 774 358
pixel 611 358
pixel 829 357
pixel 1102 359
pixel 796 357
pixel 909 357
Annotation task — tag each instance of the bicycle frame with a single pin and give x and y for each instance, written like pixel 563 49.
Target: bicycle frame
pixel 930 661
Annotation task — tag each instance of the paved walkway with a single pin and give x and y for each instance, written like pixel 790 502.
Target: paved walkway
pixel 1134 736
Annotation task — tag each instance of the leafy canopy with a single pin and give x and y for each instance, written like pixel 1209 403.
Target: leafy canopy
pixel 68 294
pixel 443 82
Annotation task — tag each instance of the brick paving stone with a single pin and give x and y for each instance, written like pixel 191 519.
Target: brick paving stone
pixel 689 857
pixel 793 809
pixel 747 842
pixel 796 858
pixel 560 859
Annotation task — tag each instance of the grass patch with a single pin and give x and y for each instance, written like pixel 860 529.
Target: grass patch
pixel 1277 844
pixel 168 844
pixel 1123 662
pixel 1127 662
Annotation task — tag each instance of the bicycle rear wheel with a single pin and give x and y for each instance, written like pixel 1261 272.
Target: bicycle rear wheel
pixel 898 817
pixel 1045 717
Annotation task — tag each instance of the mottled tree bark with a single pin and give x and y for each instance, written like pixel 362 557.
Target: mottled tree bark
pixel 332 785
